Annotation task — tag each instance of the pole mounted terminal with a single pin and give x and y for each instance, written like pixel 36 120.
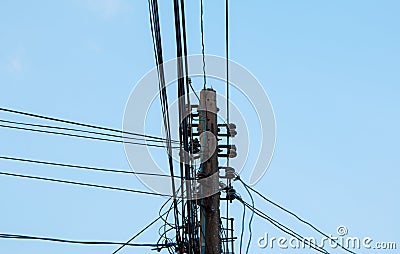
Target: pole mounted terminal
pixel 230 151
pixel 230 130
pixel 229 173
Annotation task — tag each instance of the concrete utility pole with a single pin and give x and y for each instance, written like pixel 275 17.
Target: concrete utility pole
pixel 210 206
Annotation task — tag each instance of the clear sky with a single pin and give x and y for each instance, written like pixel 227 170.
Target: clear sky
pixel 330 68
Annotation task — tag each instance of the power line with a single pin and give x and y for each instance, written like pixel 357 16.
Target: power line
pixel 294 215
pixel 285 229
pixel 242 231
pixel 77 130
pixel 202 44
pixel 82 167
pixel 77 123
pixel 188 208
pixel 50 239
pixel 251 218
pixel 156 35
pixel 137 234
pixel 184 44
pixel 84 184
pixel 80 136
pixel 228 181
pixel 166 216
pixel 227 65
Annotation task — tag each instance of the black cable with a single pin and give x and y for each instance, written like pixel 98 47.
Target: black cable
pixel 294 215
pixel 80 136
pixel 227 68
pixel 82 131
pixel 286 229
pixel 84 184
pixel 202 44
pixel 137 234
pixel 186 75
pixel 166 213
pixel 164 226
pixel 157 44
pixel 50 239
pixel 251 219
pixel 78 124
pixel 190 205
pixel 82 167
pixel 228 181
pixel 185 169
pixel 242 231
pixel 194 91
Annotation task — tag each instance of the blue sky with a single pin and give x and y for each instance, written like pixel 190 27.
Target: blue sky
pixel 330 70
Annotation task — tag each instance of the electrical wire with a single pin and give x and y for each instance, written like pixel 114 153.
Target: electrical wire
pixel 50 239
pixel 185 168
pixel 80 136
pixel 82 167
pixel 286 229
pixel 186 69
pixel 190 205
pixel 127 243
pixel 202 43
pixel 227 69
pixel 295 216
pixel 78 124
pixel 242 231
pixel 251 218
pixel 83 184
pixel 81 131
pixel 164 226
pixel 228 181
pixel 157 45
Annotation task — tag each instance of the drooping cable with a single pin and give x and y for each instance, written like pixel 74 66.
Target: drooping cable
pixel 285 229
pixel 242 231
pixel 127 243
pixel 295 216
pixel 251 218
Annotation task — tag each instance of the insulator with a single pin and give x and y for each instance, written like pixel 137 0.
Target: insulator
pixel 232 133
pixel 231 193
pixel 232 129
pixel 231 126
pixel 227 146
pixel 229 172
pixel 232 153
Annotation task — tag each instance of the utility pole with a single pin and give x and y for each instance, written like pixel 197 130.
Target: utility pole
pixel 210 206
